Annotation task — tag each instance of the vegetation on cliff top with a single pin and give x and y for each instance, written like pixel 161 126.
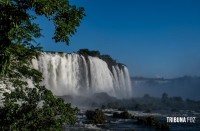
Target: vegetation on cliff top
pixel 108 59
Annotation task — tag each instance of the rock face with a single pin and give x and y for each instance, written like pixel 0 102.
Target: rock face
pixel 80 75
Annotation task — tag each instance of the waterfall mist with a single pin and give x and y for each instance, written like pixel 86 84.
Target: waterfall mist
pixel 74 74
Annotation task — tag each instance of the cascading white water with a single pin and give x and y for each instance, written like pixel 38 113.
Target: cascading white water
pixel 75 74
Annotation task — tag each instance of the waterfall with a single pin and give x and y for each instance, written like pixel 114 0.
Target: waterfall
pixel 74 74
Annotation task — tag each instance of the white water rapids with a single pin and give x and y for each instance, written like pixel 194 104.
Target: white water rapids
pixel 73 74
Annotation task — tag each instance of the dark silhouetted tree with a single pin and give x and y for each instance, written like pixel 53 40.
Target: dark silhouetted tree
pixel 164 98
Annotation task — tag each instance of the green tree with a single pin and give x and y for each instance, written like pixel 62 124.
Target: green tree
pixel 31 108
pixel 17 23
pixel 35 109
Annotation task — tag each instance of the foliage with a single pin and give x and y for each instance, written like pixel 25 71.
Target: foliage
pixel 86 52
pixel 20 67
pixel 96 117
pixel 108 59
pixel 122 115
pixel 32 108
pixel 17 23
pixel 150 121
pixel 35 109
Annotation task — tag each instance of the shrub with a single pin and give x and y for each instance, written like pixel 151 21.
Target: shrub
pixel 96 117
pixel 122 115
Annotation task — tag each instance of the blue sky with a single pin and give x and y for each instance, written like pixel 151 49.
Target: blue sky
pixel 154 38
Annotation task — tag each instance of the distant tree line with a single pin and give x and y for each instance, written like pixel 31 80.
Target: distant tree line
pixel 149 103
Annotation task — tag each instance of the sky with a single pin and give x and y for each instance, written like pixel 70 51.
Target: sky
pixel 154 38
